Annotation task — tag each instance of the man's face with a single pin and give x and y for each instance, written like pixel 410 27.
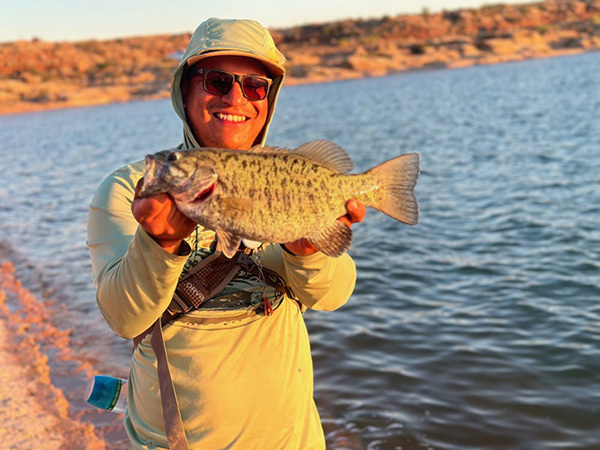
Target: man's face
pixel 209 115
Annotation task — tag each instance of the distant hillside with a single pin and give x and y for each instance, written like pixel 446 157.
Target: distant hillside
pixel 37 75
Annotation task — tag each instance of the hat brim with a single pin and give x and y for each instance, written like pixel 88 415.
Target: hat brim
pixel 274 69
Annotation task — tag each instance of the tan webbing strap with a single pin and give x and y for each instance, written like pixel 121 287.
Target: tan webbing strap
pixel 170 408
pixel 207 279
pixel 223 272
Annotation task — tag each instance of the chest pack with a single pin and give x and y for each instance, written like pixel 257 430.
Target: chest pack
pixel 206 280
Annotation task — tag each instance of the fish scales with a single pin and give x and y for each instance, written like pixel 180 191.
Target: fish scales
pixel 273 195
pixel 299 174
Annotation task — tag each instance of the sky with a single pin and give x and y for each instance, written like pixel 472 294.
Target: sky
pixel 73 20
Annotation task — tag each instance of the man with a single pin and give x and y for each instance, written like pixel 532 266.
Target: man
pixel 241 371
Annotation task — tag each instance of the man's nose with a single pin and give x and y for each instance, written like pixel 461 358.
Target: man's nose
pixel 235 96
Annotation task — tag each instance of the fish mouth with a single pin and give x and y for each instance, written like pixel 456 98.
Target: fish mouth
pixel 151 180
pixel 205 194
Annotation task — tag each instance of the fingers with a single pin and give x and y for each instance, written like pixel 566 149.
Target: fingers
pixel 301 247
pixel 356 212
pixel 159 216
pixel 146 209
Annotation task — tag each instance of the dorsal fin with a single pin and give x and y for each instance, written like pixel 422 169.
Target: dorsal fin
pixel 327 154
pixel 260 149
pixel 256 149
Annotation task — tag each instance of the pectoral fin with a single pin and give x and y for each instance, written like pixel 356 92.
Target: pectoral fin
pixel 334 240
pixel 227 243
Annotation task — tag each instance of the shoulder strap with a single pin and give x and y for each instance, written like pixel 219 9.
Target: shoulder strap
pixel 168 398
pixel 207 279
pixel 204 281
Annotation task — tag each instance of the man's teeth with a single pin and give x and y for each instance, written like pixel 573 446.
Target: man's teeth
pixel 231 117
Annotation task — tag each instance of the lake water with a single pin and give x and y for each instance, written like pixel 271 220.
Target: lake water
pixel 477 329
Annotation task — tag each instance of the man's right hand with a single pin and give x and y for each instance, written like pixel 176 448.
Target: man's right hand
pixel 159 217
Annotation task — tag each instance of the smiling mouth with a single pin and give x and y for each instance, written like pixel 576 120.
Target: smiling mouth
pixel 203 196
pixel 230 117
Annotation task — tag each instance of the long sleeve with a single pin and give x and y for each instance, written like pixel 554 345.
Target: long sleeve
pixel 319 282
pixel 135 277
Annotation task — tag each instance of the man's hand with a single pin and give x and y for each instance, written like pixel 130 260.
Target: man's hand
pixel 159 217
pixel 356 213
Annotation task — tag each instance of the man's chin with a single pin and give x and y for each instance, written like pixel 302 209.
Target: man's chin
pixel 243 143
pixel 235 145
pixel 231 144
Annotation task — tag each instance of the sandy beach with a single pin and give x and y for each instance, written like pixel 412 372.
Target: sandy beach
pixel 34 413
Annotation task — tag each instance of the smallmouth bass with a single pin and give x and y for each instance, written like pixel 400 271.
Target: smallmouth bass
pixel 268 194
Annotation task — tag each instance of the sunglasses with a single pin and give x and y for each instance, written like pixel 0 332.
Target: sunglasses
pixel 220 82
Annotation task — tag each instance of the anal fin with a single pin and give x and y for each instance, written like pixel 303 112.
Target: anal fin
pixel 334 240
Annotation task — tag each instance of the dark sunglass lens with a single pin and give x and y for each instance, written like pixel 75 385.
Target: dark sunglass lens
pixel 217 82
pixel 255 88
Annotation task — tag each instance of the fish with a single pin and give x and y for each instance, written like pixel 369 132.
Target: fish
pixel 275 195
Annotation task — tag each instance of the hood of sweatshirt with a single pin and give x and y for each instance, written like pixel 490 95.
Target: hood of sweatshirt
pixel 219 37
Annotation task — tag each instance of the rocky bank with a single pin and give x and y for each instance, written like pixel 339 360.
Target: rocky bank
pixel 37 75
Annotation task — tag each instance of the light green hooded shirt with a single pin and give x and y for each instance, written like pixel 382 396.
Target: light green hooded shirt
pixel 243 380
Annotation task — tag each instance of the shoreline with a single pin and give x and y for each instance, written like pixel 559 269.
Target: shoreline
pixel 125 93
pixel 36 75
pixel 32 409
pixel 42 383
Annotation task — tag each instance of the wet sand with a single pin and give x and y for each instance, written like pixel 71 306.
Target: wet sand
pixel 34 413
pixel 31 415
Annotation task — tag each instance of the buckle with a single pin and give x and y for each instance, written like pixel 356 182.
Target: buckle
pixel 244 260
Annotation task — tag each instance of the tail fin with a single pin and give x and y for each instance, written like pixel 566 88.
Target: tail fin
pixel 397 179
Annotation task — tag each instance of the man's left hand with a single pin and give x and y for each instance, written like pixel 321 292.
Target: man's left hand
pixel 356 213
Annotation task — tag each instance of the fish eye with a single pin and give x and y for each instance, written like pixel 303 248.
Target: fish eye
pixel 174 156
